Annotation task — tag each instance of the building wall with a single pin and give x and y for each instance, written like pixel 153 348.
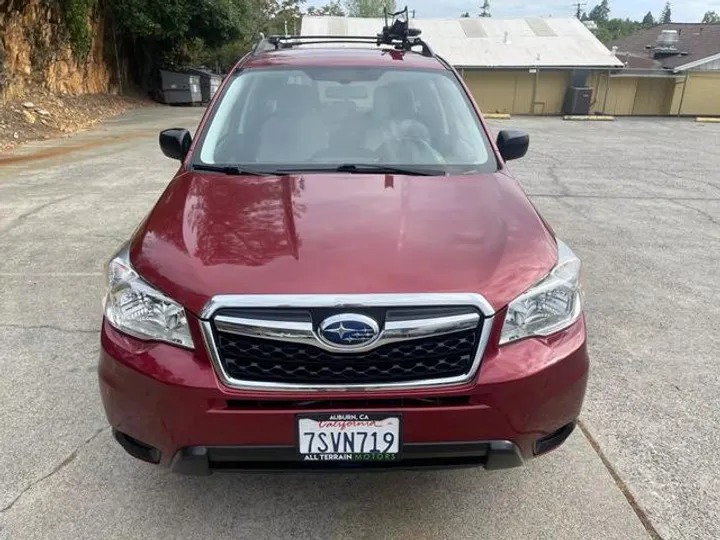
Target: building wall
pixel 621 96
pixel 599 83
pixel 702 96
pixel 662 96
pixel 651 96
pixel 501 91
pixel 674 93
pixel 628 96
pixel 551 89
pixel 512 91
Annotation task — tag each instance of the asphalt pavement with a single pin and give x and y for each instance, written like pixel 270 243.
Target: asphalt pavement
pixel 638 200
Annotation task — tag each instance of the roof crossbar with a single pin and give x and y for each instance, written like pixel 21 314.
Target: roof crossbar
pixel 396 34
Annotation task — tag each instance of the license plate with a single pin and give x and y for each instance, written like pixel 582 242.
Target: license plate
pixel 349 437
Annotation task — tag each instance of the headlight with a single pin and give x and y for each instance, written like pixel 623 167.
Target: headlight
pixel 134 307
pixel 549 306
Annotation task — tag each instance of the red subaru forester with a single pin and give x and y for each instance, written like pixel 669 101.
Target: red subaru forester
pixel 342 275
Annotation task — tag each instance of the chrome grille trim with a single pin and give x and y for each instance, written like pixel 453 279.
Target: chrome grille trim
pixel 300 332
pixel 346 301
pixel 394 331
pixel 294 332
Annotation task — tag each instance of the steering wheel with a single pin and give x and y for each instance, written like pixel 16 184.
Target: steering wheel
pixel 410 147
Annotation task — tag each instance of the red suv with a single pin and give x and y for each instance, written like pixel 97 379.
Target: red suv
pixel 342 274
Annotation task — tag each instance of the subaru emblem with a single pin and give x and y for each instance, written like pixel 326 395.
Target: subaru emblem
pixel 348 331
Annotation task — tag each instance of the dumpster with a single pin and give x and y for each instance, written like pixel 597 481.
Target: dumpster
pixel 209 82
pixel 174 87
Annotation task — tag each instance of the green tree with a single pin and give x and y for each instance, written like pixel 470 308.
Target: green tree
pixel 170 21
pixel 601 12
pixel 176 32
pixel 485 9
pixel 648 20
pixel 76 15
pixel 282 16
pixel 615 29
pixel 465 15
pixel 711 17
pixel 333 9
pixel 369 8
pixel 666 15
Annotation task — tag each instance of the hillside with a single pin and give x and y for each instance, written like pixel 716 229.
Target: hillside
pixel 36 49
pixel 55 80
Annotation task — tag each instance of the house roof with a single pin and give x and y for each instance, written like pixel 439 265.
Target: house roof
pixel 489 42
pixel 696 43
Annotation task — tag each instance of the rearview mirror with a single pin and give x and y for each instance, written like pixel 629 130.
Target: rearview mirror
pixel 513 144
pixel 175 143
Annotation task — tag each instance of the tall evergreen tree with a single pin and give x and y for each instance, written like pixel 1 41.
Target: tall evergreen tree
pixel 601 12
pixel 485 9
pixel 666 16
pixel 711 17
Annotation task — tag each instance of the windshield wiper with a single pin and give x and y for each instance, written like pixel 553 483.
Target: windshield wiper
pixel 352 168
pixel 236 170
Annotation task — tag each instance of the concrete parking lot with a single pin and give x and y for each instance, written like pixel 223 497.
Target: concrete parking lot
pixel 638 200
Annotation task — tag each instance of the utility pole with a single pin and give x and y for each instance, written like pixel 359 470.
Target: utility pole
pixel 413 13
pixel 579 6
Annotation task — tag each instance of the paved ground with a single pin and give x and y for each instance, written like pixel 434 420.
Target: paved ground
pixel 638 200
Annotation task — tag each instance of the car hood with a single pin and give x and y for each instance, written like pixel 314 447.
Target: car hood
pixel 212 234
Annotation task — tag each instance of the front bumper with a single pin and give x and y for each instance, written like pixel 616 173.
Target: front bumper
pixel 202 460
pixel 170 402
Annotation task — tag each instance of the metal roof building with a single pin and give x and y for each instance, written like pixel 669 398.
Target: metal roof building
pixel 490 42
pixel 557 65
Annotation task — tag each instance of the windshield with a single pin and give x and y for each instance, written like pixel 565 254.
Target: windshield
pixel 324 118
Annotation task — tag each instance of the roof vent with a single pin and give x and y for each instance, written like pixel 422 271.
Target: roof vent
pixel 668 39
pixel 506 40
pixel 667 45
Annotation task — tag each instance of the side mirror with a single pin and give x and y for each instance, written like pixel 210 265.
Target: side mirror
pixel 513 144
pixel 175 143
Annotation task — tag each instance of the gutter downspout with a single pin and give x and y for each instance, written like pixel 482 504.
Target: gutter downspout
pixel 682 96
pixel 607 92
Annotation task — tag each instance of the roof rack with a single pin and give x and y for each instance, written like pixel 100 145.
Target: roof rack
pixel 396 34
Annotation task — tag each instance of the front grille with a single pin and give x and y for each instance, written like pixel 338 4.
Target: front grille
pixel 262 360
pixel 349 404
